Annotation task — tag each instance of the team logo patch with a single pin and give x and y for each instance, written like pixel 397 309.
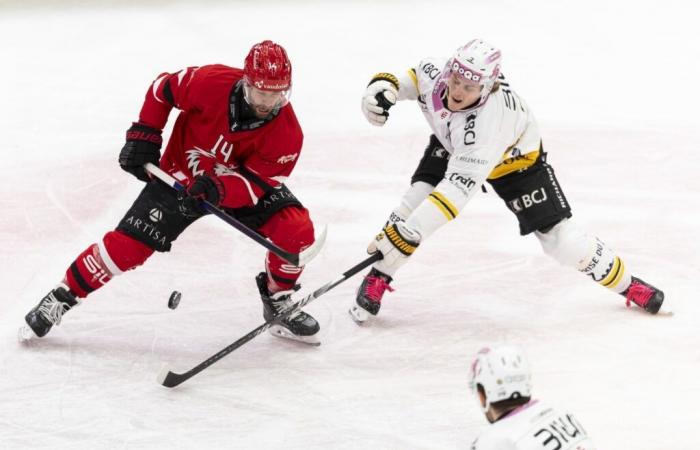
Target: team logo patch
pixel 156 215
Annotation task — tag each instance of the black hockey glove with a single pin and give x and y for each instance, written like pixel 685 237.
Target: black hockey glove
pixel 204 187
pixel 142 146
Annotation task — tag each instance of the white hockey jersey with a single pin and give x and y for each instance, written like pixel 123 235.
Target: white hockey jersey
pixel 535 426
pixel 489 141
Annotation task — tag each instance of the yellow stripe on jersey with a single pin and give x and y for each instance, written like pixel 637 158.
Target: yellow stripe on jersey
pixel 443 204
pixel 615 275
pixel 414 78
pixel 513 164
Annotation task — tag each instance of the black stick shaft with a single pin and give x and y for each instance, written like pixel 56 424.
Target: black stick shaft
pixel 172 379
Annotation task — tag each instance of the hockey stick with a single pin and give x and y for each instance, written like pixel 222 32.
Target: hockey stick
pixel 298 259
pixel 171 379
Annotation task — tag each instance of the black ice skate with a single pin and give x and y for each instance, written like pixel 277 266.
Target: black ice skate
pixel 48 312
pixel 298 327
pixel 369 296
pixel 644 295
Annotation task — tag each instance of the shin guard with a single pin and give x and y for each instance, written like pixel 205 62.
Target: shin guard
pixel 589 255
pixel 100 262
pixel 291 229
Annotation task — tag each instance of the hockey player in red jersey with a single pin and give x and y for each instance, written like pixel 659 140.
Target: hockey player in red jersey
pixel 234 142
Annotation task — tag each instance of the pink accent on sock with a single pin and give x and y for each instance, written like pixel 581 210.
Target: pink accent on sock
pixel 639 294
pixel 376 287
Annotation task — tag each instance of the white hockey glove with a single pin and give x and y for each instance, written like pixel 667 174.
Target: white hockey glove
pixel 380 95
pixel 396 242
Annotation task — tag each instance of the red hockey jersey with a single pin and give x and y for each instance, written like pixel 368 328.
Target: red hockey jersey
pixel 208 136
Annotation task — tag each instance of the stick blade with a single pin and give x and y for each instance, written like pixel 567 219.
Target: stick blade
pixel 311 252
pixel 167 378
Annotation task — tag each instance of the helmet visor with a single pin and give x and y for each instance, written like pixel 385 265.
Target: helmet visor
pixel 264 101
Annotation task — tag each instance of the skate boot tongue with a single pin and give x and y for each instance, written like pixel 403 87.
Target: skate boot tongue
pixel 282 300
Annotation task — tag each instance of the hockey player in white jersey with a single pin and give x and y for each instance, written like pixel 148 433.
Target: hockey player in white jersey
pixel 501 381
pixel 482 132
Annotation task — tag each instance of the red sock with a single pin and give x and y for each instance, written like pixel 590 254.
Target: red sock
pixel 99 263
pixel 291 229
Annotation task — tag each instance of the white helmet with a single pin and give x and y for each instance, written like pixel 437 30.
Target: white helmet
pixel 478 62
pixel 503 372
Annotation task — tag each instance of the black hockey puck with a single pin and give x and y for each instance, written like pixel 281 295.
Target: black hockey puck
pixel 174 299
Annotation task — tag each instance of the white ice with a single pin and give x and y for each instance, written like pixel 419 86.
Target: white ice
pixel 614 85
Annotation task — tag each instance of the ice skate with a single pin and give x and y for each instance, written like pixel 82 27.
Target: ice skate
pixel 644 295
pixel 369 296
pixel 300 326
pixel 47 313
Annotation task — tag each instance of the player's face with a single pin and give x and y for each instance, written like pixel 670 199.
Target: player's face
pixel 461 93
pixel 264 102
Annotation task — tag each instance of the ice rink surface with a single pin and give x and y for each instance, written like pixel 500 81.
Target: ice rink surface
pixel 614 86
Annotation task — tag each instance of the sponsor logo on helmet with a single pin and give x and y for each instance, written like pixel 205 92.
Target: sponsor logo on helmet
pixel 465 72
pixel 269 85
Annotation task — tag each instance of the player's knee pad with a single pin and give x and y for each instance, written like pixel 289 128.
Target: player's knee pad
pixel 101 262
pixel 121 252
pixel 567 244
pixel 290 228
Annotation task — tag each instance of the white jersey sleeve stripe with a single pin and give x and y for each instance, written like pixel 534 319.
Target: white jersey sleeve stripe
pixel 156 86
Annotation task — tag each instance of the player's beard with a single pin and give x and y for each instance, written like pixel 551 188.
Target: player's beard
pixel 263 112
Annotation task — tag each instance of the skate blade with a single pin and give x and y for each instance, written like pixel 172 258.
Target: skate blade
pixel 358 315
pixel 660 313
pixel 25 334
pixel 283 333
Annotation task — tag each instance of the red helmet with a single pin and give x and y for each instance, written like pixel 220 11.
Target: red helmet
pixel 267 67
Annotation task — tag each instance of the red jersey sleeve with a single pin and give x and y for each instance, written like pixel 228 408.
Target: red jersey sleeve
pixel 168 91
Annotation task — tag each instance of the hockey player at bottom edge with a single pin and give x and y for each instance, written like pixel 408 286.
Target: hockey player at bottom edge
pixel 501 381
pixel 482 131
pixel 234 143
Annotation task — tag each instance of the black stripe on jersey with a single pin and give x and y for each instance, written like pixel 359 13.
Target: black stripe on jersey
pixel 79 278
pixel 168 93
pixel 447 207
